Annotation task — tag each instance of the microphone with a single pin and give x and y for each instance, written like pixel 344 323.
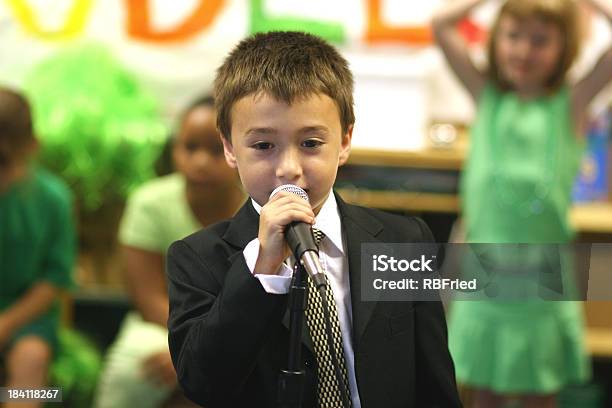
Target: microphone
pixel 301 240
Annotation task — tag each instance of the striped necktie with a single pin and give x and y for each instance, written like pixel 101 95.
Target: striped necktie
pixel 328 390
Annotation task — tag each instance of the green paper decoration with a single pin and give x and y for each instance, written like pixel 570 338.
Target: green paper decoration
pixel 100 129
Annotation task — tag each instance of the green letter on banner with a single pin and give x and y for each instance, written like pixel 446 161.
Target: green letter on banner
pixel 260 22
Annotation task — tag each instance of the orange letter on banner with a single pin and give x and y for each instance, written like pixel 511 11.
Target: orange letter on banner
pixel 75 21
pixel 378 31
pixel 139 21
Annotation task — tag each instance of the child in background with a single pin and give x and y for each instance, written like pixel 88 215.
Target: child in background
pixel 37 251
pixel 138 370
pixel 526 145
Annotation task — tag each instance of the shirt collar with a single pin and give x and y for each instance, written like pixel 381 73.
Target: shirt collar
pixel 328 220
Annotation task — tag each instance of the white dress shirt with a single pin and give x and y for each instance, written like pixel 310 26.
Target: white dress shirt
pixel 334 263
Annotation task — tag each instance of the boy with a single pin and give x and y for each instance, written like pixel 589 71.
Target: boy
pixel 37 251
pixel 285 112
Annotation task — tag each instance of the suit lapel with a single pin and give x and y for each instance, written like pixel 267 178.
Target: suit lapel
pixel 244 226
pixel 359 227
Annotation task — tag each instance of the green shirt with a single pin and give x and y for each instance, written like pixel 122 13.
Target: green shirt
pixel 37 237
pixel 157 214
pixel 37 244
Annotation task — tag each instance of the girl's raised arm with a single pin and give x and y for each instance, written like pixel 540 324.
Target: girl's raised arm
pixel 587 88
pixel 454 47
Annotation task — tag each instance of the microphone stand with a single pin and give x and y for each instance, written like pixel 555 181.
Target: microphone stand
pixel 291 380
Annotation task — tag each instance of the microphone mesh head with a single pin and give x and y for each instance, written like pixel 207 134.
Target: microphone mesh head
pixel 290 188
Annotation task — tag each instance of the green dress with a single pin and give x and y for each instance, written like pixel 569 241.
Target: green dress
pixel 516 188
pixel 37 243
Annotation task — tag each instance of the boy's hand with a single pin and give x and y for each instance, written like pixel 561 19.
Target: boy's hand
pixel 282 209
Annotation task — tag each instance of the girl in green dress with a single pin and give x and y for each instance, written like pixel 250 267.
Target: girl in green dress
pixel 516 187
pixel 37 250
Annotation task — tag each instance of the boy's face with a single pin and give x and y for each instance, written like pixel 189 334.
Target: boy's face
pixel 273 143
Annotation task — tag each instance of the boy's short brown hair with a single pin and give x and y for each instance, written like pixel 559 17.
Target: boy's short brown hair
pixel 561 13
pixel 285 65
pixel 16 133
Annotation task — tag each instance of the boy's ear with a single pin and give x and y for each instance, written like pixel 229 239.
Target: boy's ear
pixel 228 150
pixel 345 146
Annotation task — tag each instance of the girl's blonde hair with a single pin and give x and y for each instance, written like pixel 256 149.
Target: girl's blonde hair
pixel 561 13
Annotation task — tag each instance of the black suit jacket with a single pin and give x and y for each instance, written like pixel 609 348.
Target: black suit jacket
pixel 229 338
